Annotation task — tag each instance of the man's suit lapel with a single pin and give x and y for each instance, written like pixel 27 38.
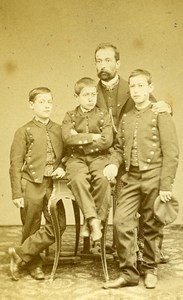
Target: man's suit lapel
pixel 100 97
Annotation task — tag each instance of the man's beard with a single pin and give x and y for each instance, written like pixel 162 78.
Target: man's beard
pixel 105 76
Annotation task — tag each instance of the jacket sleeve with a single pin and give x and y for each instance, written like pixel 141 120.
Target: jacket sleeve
pixel 170 151
pixel 74 140
pixel 117 154
pixel 17 159
pixel 106 139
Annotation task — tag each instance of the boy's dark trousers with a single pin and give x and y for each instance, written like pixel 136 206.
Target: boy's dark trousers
pixel 34 237
pixel 89 186
pixel 140 189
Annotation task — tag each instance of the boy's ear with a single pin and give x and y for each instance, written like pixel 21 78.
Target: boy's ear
pixel 151 86
pixel 31 104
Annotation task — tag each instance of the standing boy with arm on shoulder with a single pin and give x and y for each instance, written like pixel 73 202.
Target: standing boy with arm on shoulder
pixel 147 145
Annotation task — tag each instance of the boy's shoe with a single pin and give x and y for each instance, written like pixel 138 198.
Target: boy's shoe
pixel 150 281
pixel 85 231
pixel 118 283
pixel 37 273
pixel 15 261
pixel 95 226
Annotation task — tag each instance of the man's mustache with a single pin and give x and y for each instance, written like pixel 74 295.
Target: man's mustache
pixel 103 72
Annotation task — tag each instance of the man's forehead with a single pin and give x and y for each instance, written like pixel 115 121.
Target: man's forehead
pixel 107 52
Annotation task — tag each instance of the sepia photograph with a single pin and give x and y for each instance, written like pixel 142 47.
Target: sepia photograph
pixel 91 150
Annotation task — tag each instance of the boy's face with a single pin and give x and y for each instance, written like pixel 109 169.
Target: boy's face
pixel 106 64
pixel 140 89
pixel 42 106
pixel 87 98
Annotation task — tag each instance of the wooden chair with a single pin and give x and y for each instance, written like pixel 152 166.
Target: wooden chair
pixel 62 192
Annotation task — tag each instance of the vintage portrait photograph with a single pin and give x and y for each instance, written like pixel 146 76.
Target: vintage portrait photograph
pixel 91 135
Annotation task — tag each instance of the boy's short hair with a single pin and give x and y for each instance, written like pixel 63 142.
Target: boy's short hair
pixel 108 45
pixel 82 83
pixel 138 72
pixel 40 90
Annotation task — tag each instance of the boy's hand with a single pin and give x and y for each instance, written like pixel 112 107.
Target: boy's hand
pixel 161 106
pixel 58 173
pixel 96 136
pixel 110 171
pixel 74 132
pixel 19 202
pixel 165 196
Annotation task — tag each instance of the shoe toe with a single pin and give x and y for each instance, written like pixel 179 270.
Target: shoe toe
pixel 116 283
pixel 150 281
pixel 37 273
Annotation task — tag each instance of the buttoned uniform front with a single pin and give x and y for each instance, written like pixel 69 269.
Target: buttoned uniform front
pixel 122 100
pixel 28 157
pixel 154 170
pixel 86 159
pixel 118 102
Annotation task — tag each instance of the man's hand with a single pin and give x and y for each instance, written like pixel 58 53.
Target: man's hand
pixel 19 202
pixel 161 106
pixel 110 171
pixel 165 196
pixel 58 173
pixel 96 136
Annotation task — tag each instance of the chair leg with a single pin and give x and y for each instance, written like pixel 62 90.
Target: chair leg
pixel 56 227
pixel 103 250
pixel 77 224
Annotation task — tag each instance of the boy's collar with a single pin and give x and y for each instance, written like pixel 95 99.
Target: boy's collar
pixel 144 107
pixel 44 123
pixel 85 110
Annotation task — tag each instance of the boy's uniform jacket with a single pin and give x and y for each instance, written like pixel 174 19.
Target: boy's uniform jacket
pixel 29 152
pixel 96 121
pixel 124 102
pixel 157 144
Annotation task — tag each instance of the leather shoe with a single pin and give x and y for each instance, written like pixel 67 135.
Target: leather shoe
pixel 37 273
pixel 150 281
pixel 118 283
pixel 15 260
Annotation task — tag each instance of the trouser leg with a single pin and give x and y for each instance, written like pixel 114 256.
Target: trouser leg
pixel 31 248
pixel 79 183
pixel 33 206
pixel 125 225
pixel 151 228
pixel 101 190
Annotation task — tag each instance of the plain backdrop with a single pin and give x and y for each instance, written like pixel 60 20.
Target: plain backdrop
pixel 52 42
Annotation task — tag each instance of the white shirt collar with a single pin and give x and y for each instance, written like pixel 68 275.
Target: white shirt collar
pixel 110 82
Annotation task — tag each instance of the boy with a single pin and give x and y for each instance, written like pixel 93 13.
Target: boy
pixel 35 157
pixel 87 135
pixel 147 145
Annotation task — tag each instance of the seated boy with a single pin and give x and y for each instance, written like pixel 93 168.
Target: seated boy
pixel 147 145
pixel 87 135
pixel 35 156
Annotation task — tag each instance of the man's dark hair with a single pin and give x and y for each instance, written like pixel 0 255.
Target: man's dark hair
pixel 108 45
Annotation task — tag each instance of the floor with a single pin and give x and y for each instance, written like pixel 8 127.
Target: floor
pixel 82 279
